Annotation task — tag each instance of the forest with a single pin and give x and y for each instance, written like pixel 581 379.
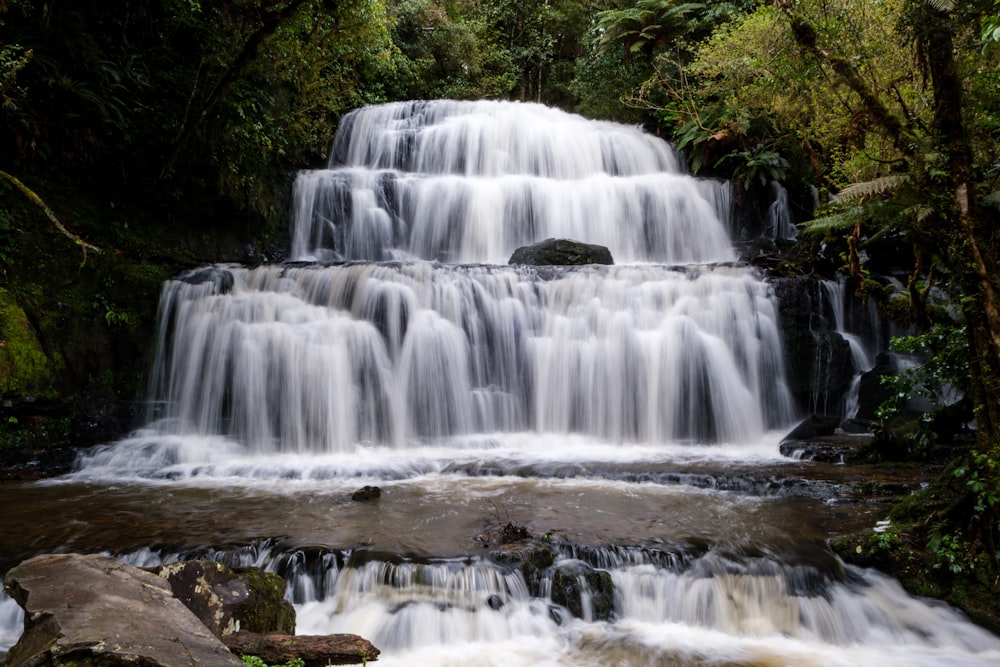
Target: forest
pixel 140 138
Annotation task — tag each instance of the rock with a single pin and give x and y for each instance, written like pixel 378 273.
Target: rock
pixel 872 390
pixel 227 600
pixel 313 650
pixel 819 366
pixel 98 611
pixel 561 252
pixel 572 581
pixel 817 438
pixel 367 493
pixel 221 279
pixel 813 427
pixel 840 448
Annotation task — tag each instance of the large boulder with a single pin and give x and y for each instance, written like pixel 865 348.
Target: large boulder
pixel 90 611
pixel 561 252
pixel 229 600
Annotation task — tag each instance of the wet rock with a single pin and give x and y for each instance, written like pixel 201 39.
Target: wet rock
pixel 313 650
pixel 227 600
pixel 533 559
pixel 221 279
pixel 872 388
pixel 840 448
pixel 818 361
pixel 96 610
pixel 587 593
pixel 367 493
pixel 820 438
pixel 561 252
pixel 813 427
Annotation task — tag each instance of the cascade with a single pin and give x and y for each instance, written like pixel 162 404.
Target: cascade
pixel 626 416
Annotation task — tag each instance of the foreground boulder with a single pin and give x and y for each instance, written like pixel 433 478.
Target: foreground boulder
pixel 227 600
pixel 313 650
pixel 561 252
pixel 96 610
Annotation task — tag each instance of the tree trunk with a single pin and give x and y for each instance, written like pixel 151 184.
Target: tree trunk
pixel 974 267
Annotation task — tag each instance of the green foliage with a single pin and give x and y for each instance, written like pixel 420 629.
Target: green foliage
pixel 981 476
pixel 254 661
pixel 941 372
pixel 24 366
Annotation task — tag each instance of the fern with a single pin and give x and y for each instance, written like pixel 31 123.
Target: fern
pixel 943 6
pixel 857 192
pixel 837 222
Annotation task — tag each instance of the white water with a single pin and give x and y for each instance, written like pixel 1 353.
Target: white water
pixel 473 181
pixel 629 413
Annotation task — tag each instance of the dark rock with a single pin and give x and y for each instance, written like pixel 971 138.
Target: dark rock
pixel 313 650
pixel 228 600
pixel 827 449
pixel 533 559
pixel 561 252
pixel 573 580
pixel 367 493
pixel 495 602
pixel 813 427
pixel 98 611
pixel 873 390
pixel 819 365
pixel 221 279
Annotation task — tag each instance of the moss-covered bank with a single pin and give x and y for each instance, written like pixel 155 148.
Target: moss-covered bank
pixel 927 549
pixel 75 328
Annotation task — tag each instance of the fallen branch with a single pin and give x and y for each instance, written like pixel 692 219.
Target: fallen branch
pixel 30 194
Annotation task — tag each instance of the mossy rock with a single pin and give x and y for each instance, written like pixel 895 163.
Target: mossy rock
pixel 25 369
pixel 228 600
pixel 572 581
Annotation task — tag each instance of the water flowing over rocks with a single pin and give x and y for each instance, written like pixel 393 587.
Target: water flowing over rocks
pixel 561 252
pixel 817 357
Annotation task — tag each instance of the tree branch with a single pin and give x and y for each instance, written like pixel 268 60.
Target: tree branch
pixel 30 194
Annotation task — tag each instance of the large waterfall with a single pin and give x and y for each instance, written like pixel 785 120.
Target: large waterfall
pixel 320 358
pixel 626 416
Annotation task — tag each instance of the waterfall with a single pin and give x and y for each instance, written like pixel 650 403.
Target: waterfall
pixel 472 181
pixel 319 358
pixel 624 417
pixel 780 224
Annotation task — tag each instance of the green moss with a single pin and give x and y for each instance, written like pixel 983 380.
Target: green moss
pixel 24 366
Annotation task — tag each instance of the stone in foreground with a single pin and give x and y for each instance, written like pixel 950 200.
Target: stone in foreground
pixel 96 610
pixel 313 650
pixel 561 252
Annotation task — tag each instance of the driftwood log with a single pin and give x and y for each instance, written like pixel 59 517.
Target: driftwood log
pixel 314 650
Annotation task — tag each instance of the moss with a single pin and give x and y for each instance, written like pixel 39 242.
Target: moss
pixel 24 366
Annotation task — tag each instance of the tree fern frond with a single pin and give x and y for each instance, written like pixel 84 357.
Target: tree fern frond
pixel 834 223
pixel 993 199
pixel 879 186
pixel 942 5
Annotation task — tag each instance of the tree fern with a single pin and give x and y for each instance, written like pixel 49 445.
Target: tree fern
pixel 859 192
pixel 838 222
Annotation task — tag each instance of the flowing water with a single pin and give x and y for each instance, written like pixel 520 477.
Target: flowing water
pixel 627 416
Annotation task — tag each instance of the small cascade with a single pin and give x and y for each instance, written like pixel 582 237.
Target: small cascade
pixel 861 350
pixel 473 181
pixel 811 612
pixel 780 223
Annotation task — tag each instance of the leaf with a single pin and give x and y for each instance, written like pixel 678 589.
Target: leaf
pixel 879 186
pixel 834 223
